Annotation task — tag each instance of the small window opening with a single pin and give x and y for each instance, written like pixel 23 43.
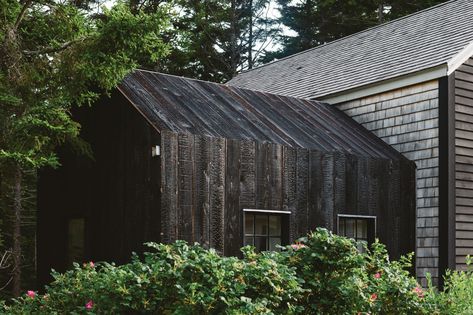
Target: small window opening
pixel 360 228
pixel 75 241
pixel 265 230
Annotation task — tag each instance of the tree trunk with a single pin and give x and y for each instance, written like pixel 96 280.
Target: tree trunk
pixel 381 13
pixel 17 209
pixel 250 37
pixel 233 41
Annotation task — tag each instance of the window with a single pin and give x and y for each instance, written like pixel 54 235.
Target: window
pixel 264 229
pixel 75 241
pixel 360 228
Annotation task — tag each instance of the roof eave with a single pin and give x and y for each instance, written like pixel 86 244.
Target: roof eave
pixel 460 58
pixel 395 83
pixel 386 85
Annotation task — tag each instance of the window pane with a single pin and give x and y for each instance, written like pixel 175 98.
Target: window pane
pixel 341 226
pixel 261 224
pixel 75 241
pixel 261 243
pixel 350 228
pixel 273 241
pixel 274 225
pixel 249 227
pixel 362 229
pixel 360 245
pixel 249 240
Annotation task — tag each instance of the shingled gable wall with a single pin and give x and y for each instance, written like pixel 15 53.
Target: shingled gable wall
pixel 407 119
pixel 463 79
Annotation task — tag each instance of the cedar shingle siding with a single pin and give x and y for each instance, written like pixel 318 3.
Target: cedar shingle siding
pixel 464 162
pixel 407 119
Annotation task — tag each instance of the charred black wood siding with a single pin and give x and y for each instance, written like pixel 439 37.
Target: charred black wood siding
pixel 314 186
pixel 117 193
pixel 222 150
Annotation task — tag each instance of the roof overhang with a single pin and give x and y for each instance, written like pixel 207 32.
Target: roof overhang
pixel 406 80
pixel 386 85
pixel 460 58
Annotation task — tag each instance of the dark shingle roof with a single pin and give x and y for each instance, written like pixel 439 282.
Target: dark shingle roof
pixel 420 41
pixel 202 108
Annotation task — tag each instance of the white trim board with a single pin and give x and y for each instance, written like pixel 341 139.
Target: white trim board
pixel 387 85
pixel 460 58
pixel 267 211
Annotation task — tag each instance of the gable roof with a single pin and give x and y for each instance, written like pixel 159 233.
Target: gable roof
pixel 197 107
pixel 437 39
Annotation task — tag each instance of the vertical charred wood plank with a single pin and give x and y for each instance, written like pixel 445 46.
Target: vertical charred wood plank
pixel 383 194
pixel 169 186
pixel 407 211
pixel 276 177
pixel 217 193
pixel 186 186
pixel 363 185
pixel 340 188
pixel 374 175
pixel 328 190
pixel 263 173
pixel 202 190
pixel 302 186
pixel 316 212
pixel 154 224
pixel 247 174
pixel 289 189
pixel 389 220
pixel 351 178
pixel 233 213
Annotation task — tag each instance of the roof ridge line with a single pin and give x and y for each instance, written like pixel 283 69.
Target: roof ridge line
pixel 218 84
pixel 348 36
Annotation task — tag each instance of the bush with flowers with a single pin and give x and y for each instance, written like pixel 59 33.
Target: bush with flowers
pixel 320 274
pixel 338 279
pixel 173 279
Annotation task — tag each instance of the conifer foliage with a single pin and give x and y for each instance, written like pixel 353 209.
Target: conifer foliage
pixel 54 55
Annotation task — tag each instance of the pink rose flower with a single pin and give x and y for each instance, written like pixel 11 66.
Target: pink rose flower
pixel 31 294
pixel 297 246
pixel 92 265
pixel 377 275
pixel 89 305
pixel 373 297
pixel 418 291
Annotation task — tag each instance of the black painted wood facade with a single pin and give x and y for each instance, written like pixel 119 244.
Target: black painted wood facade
pixel 222 150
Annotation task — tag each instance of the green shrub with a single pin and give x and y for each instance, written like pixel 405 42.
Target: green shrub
pixel 340 280
pixel 321 274
pixel 457 295
pixel 175 279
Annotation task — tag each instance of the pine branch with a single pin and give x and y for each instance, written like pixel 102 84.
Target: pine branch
pixel 22 13
pixel 49 50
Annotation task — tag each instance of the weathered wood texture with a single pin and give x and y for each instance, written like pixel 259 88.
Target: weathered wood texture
pixel 222 150
pixel 464 162
pixel 314 186
pixel 117 193
pixel 407 119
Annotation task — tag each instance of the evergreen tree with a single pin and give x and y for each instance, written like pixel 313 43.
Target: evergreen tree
pixel 54 55
pixel 317 22
pixel 213 40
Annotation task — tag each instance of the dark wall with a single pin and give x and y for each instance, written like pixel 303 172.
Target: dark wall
pixel 117 193
pixel 208 181
pixel 197 188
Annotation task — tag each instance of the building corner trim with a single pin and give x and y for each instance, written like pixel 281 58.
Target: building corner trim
pixel 446 175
